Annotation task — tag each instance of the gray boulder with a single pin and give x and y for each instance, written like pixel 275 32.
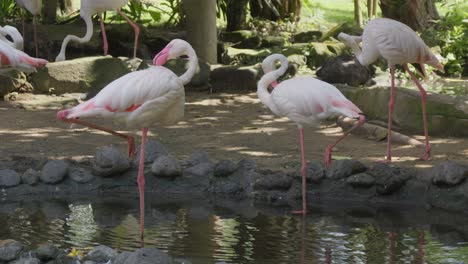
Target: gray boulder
pixel 10 249
pixel 101 254
pixel 449 173
pixel 235 78
pixel 31 177
pixel 315 172
pixel 122 257
pixel 109 161
pixel 224 168
pixel 153 150
pixel 363 180
pixel 27 260
pixel 269 180
pixel 388 178
pixel 307 36
pixel 344 168
pixel 148 256
pixel 197 157
pixel 166 166
pixel 54 171
pixel 9 178
pixel 80 175
pixel 345 69
pixel 47 251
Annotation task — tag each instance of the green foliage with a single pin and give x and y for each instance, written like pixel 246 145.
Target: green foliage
pixel 139 12
pixel 8 10
pixel 451 34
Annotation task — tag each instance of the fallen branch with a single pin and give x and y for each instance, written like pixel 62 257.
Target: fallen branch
pixel 376 132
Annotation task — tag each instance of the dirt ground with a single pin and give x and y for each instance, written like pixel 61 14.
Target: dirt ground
pixel 227 126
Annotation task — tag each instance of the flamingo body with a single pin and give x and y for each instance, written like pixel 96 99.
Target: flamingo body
pixel 93 6
pixel 14 59
pixel 17 43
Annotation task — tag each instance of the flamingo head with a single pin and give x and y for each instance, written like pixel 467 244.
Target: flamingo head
pixel 173 50
pixel 434 61
pixel 63 115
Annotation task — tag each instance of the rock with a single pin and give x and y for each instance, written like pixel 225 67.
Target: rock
pixel 90 262
pixel 247 164
pixel 308 36
pixel 269 180
pixel 101 254
pixel 31 177
pixel 47 251
pixel 148 256
pixel 315 171
pixel 166 166
pixel 9 178
pixel 273 41
pixel 342 27
pixel 224 168
pixel 449 173
pixel 10 249
pixel 180 66
pixel 321 52
pixel 54 171
pixel 345 69
pixel 344 168
pixel 109 161
pixel 27 260
pixel 79 75
pixel 229 78
pixel 244 56
pixel 237 36
pixel 299 60
pixel 197 157
pixel 80 175
pixel 296 49
pixel 388 178
pixel 16 81
pixel 63 258
pixel 363 180
pixel 442 111
pixel 200 170
pixel 122 257
pixel 250 43
pixel 153 150
pixel 45 101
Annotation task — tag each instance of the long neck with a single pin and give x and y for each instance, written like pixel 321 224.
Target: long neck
pixel 192 67
pixel 267 79
pixel 89 33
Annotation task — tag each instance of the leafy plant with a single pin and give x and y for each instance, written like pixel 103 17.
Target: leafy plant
pixel 8 10
pixel 143 13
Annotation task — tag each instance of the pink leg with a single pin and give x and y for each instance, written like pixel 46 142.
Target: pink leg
pixel 328 150
pixel 304 174
pixel 427 152
pixel 141 184
pixel 130 140
pixel 35 36
pixel 104 35
pixel 135 28
pixel 391 106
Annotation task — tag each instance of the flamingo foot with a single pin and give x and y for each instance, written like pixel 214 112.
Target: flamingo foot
pixel 386 160
pixel 427 154
pixel 327 157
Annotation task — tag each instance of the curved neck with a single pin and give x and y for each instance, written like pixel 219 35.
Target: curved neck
pixel 269 78
pixel 192 66
pixel 89 33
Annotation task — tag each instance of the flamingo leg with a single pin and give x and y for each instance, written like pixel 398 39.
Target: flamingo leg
pixel 141 184
pixel 135 28
pixel 391 106
pixel 104 35
pixel 328 150
pixel 304 174
pixel 427 152
pixel 35 36
pixel 130 140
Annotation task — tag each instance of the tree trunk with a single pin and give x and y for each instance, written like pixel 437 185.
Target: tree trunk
pixel 50 11
pixel 201 28
pixel 374 7
pixel 66 6
pixel 281 9
pixel 357 12
pixel 414 13
pixel 369 8
pixel 236 14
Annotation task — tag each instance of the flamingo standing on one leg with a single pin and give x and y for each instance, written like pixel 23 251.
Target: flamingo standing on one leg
pixel 34 7
pixel 14 59
pixel 398 44
pixel 141 99
pixel 305 101
pixel 87 10
pixel 17 40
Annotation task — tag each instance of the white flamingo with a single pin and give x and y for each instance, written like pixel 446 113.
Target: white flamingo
pixel 87 10
pixel 305 101
pixel 16 41
pixel 398 44
pixel 14 59
pixel 141 99
pixel 34 7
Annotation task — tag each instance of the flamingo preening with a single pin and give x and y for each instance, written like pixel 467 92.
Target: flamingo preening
pixel 398 44
pixel 87 10
pixel 141 99
pixel 14 59
pixel 34 7
pixel 16 41
pixel 305 101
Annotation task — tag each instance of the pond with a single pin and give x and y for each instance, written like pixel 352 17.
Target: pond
pixel 209 230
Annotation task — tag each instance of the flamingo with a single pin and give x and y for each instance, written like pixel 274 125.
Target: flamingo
pixel 17 40
pixel 141 99
pixel 398 44
pixel 305 101
pixel 14 59
pixel 87 10
pixel 34 7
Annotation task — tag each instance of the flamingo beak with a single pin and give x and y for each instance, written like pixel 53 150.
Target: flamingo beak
pixel 161 58
pixel 440 67
pixel 62 115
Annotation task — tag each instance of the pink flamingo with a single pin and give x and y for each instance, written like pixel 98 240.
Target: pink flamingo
pixel 305 101
pixel 34 7
pixel 141 99
pixel 398 44
pixel 14 59
pixel 17 40
pixel 87 10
